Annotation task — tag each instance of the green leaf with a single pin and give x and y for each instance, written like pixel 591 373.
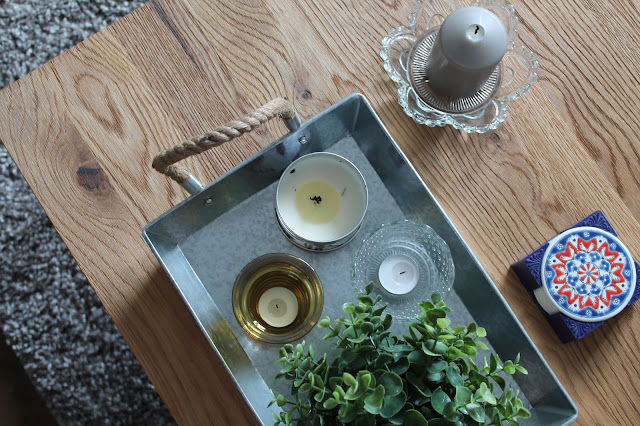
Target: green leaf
pixel 453 352
pixel 523 413
pixel 436 377
pixel 443 322
pixel 324 322
pixel 419 357
pixel 463 395
pixel 481 332
pixel 399 348
pixel 453 375
pixel 373 402
pixel 401 366
pixel 281 400
pixel 436 297
pixel 509 368
pixel 439 422
pixel 481 345
pixel 364 380
pixel 392 383
pixel 382 360
pixel 493 363
pixel 472 327
pixel 347 413
pixel 330 404
pixel 476 412
pixel 306 387
pixel 358 339
pixel 521 369
pixel 488 396
pixel 392 405
pixel 367 300
pixel 349 308
pixel 329 335
pixel 348 379
pixel 414 418
pixel 469 350
pixel 419 384
pixel 387 321
pixel 499 380
pixel 437 366
pixel 379 311
pixel 434 314
pixel 369 287
pixel 439 399
pixel 451 413
pixel 460 329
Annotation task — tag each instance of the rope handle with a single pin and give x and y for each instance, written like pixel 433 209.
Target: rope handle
pixel 165 161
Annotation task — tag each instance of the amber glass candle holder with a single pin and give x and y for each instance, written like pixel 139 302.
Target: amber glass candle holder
pixel 277 298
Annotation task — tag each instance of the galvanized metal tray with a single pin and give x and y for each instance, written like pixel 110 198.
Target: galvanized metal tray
pixel 206 240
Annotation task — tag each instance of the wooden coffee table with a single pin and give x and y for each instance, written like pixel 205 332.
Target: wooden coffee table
pixel 84 127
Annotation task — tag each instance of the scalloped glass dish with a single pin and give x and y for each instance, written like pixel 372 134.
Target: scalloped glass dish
pixel 516 72
pixel 408 240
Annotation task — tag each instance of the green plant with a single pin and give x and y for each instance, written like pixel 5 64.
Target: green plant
pixel 424 378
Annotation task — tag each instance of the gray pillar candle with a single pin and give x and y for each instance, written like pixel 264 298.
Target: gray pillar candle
pixel 469 45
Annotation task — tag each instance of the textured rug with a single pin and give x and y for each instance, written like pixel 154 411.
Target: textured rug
pixel 50 316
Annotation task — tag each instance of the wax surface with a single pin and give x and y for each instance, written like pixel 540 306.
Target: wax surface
pixel 317 202
pixel 278 307
pixel 398 274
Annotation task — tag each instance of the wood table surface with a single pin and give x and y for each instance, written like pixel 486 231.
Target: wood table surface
pixel 84 127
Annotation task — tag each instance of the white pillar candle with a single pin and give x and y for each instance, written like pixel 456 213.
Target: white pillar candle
pixel 278 307
pixel 470 43
pixel 398 274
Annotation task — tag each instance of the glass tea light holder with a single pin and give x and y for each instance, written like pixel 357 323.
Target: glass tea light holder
pixel 459 63
pixel 277 298
pixel 321 200
pixel 407 262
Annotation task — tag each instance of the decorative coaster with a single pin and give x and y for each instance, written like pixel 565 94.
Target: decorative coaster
pixel 588 274
pixel 580 277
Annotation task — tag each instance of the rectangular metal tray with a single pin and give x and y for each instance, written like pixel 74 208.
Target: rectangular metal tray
pixel 206 240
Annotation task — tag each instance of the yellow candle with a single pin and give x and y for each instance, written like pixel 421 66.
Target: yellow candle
pixel 278 307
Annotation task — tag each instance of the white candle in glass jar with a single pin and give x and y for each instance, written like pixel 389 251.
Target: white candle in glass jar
pixel 470 43
pixel 321 198
pixel 398 274
pixel 278 307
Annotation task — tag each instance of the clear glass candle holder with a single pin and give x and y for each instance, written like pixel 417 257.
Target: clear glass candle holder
pixel 407 262
pixel 405 51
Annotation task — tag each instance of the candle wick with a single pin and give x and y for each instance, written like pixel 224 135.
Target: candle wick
pixel 403 272
pixel 477 29
pixel 316 199
pixel 277 306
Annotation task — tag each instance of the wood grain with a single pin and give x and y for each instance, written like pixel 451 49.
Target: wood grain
pixel 84 127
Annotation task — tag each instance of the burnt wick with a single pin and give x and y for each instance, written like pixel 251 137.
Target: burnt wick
pixel 403 272
pixel 477 29
pixel 316 199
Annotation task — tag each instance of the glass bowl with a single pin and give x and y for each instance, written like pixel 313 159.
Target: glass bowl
pixel 397 250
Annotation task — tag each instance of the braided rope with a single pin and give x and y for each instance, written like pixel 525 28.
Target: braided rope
pixel 165 161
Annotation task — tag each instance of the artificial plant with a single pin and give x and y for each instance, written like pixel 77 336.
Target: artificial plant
pixel 427 377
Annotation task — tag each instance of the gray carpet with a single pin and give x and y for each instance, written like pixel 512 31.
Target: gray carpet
pixel 50 316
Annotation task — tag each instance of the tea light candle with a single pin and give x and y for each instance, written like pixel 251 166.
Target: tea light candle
pixel 398 274
pixel 470 43
pixel 278 307
pixel 321 200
